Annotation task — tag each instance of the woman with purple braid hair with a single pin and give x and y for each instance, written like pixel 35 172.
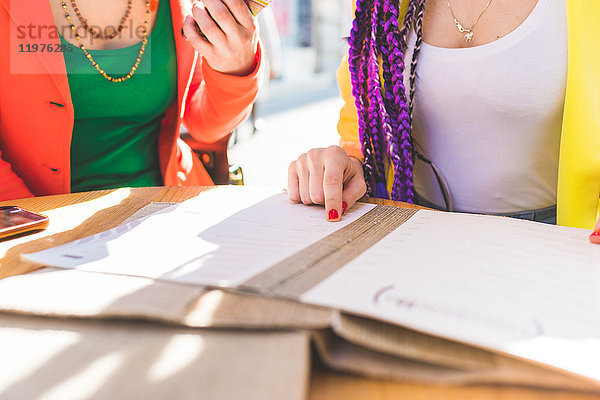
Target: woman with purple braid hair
pixel 466 105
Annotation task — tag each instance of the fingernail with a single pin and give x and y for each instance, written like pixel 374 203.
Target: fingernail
pixel 344 207
pixel 595 237
pixel 333 215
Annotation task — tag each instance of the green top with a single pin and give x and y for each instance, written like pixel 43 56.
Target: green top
pixel 115 136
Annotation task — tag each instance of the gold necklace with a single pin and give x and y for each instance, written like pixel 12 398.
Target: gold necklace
pixel 95 64
pixel 467 31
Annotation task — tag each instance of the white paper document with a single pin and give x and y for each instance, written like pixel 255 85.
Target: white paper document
pixel 220 238
pixel 524 288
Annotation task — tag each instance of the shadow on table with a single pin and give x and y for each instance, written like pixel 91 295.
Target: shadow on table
pixel 50 358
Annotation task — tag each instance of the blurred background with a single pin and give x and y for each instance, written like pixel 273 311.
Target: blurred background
pixel 298 107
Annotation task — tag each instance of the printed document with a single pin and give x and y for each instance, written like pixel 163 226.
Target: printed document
pixel 524 288
pixel 220 238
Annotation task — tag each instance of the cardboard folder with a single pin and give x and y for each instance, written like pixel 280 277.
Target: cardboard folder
pixel 343 342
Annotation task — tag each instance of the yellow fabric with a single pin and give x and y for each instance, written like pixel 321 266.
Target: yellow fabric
pixel 348 122
pixel 579 165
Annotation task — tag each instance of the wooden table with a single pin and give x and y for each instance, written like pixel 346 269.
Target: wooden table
pixel 82 214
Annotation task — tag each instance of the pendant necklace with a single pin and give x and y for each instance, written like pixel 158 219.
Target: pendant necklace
pixel 467 31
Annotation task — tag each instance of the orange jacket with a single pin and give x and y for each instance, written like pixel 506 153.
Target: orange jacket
pixel 37 116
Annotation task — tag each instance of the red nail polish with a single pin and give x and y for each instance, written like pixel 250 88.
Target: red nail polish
pixel 595 237
pixel 333 214
pixel 344 207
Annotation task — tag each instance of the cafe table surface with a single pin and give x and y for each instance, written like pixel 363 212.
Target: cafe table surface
pixel 78 215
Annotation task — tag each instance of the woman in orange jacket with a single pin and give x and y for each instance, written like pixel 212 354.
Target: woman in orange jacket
pixel 93 94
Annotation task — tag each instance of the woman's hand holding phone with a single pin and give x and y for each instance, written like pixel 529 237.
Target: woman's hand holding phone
pixel 230 35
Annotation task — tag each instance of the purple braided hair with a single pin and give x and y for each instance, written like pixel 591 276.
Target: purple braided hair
pixel 383 108
pixel 384 32
pixel 399 144
pixel 356 59
pixel 378 118
pixel 416 51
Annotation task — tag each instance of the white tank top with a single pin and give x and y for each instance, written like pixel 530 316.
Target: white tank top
pixel 489 117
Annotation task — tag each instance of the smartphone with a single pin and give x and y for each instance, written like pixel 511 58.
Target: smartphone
pixel 15 220
pixel 255 7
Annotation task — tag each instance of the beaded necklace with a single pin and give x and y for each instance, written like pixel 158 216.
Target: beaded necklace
pixel 95 64
pixel 99 34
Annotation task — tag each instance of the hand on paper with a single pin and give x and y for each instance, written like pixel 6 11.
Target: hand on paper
pixel 231 35
pixel 327 176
